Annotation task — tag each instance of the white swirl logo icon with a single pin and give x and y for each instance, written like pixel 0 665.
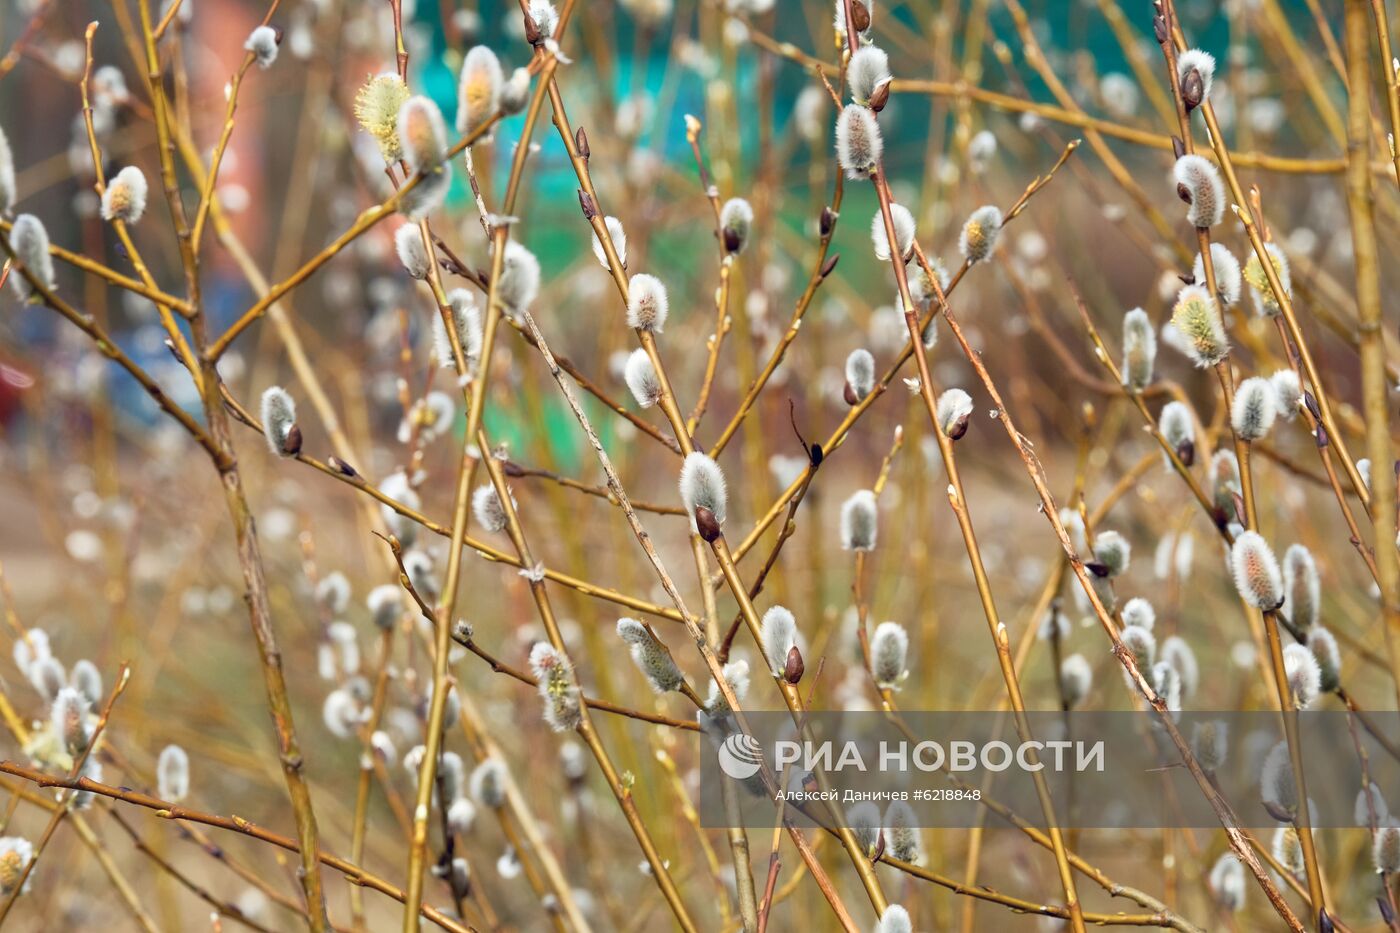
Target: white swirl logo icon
pixel 740 756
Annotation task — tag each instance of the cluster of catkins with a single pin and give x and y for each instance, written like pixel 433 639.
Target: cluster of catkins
pixel 73 699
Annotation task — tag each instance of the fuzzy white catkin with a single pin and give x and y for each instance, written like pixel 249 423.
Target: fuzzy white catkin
pixel 904 230
pixel 262 42
pixel 1303 674
pixel 1210 743
pixel 397 487
pixel 889 651
pixel 702 484
pixel 1142 644
pixel 641 378
pixel 735 222
pixel 1257 278
pixel 868 68
pixel 980 234
pixel 859 521
pixel 1253 411
pixel 427 193
pixel 15 853
pixel 954 406
pixel 69 719
pixel 1228 278
pixel 1139 349
pixel 422 133
pixel 333 592
pixel 546 17
pixel 408 243
pixel 46 676
pixel 1288 393
pixel 490 512
pixel 488 783
pixel 1166 683
pixel 1076 679
pixel 1113 551
pixel 30 241
pixel 902 832
pixel 461 814
pixel 1204 194
pixel 1197 319
pixel 173 774
pixel 1256 571
pixel 895 919
pixel 8 192
pixel 859 144
pixel 779 635
pixel 1323 646
pixel 87 680
pixel 515 93
pixel 385 604
pixel 1203 63
pixel 279 415
pixel 1177 425
pixel 736 675
pixel 1177 652
pixel 31 648
pixel 1227 882
pixel 651 659
pixel 860 372
pixel 618 236
pixel 1386 850
pixel 467 318
pixel 562 709
pixel 478 88
pixel 1301 587
pixel 1276 785
pixel 124 198
pixel 520 277
pixel 1362 813
pixel 863 819
pixel 647 303
pixel 1138 611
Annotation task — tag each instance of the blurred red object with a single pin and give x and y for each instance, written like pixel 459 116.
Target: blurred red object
pixel 13 381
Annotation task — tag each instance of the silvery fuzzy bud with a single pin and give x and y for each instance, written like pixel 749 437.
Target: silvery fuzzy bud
pixel 1256 572
pixel 1363 467
pixel 1209 743
pixel 1225 480
pixel 1138 611
pixel 889 651
pixel 490 512
pixel 1227 882
pixel 860 375
pixel 1288 850
pixel 1276 785
pixel 1228 281
pixel 515 93
pixel 1166 683
pixel 16 852
pixel 30 647
pixel 863 820
pixel 641 378
pixel 1112 553
pixel 1302 592
pixel 124 198
pixel 87 680
pixel 868 68
pixel 651 658
pixel 461 814
pixel 47 676
pixel 1363 810
pixel 859 144
pixel 779 635
pixel 69 719
pixel 262 42
pixel 1076 679
pixel 1258 280
pixel 1142 644
pixel 902 832
pixel 859 521
pixel 1323 646
pixel 333 592
pixel 451 775
pixel 647 303
pixel 488 783
pixel 1139 349
pixel 519 283
pixel 478 88
pixel 545 16
pixel 396 486
pixel 573 763
pixel 422 134
pixel 735 223
pixel 954 409
pixel 1177 653
pixel 618 236
pixel 419 568
pixel 345 646
pixel 702 486
pixel 1385 850
pixel 736 675
pixel 1202 66
pixel 467 318
pixel 1197 319
pixel 562 707
pixel 408 243
pixel 30 241
pixel 8 191
pixel 980 234
pixel 279 418
pixel 1254 408
pixel 895 919
pixel 1303 674
pixel 341 713
pixel 173 774
pixel 904 231
pixel 1178 427
pixel 1198 184
pixel 1288 393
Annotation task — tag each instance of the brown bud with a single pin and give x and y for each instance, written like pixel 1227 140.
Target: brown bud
pixel 793 670
pixel 1279 813
pixel 733 239
pixel 1097 569
pixel 881 96
pixel 850 395
pixel 1178 147
pixel 1310 401
pixel 590 210
pixel 1193 90
pixel 291 444
pixel 830 264
pixel 860 16
pixel 705 523
pixel 879 847
pixel 581 144
pixel 1186 452
pixel 958 428
pixel 532 31
pixel 828 221
pixel 277 34
pixel 1159 28
pixel 341 467
pixel 1184 193
pixel 1186 278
